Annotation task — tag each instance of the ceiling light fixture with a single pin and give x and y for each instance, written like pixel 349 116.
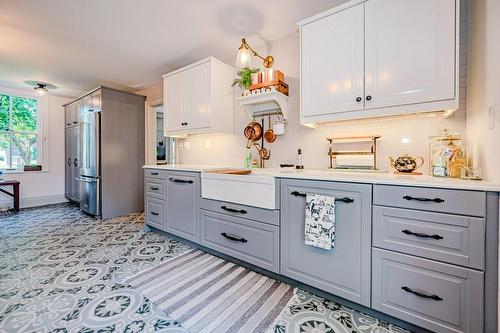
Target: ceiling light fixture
pixel 244 57
pixel 41 88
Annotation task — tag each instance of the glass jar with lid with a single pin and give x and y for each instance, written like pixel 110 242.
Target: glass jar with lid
pixel 447 154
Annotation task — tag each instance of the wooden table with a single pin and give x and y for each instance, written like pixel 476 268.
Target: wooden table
pixel 15 191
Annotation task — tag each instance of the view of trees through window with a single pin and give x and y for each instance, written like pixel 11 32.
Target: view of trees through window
pixel 18 131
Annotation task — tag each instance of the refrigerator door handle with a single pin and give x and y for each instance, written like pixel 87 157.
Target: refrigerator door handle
pixel 87 180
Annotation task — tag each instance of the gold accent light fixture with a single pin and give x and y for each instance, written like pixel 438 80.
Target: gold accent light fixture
pixel 244 58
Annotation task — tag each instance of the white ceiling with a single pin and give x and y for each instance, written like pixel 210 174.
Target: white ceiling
pixel 79 44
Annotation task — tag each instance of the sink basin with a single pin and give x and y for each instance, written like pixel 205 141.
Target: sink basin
pixel 255 189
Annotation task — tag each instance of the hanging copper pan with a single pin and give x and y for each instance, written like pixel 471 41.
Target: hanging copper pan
pixel 253 131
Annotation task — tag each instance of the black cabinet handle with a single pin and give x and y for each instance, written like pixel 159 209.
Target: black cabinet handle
pixel 358 99
pixel 420 294
pixel 69 161
pixel 75 122
pixel 232 210
pixel 184 124
pixel 154 188
pixel 368 98
pixel 154 213
pixel 409 232
pixel 75 162
pixel 175 180
pixel 436 200
pixel 154 173
pixel 345 200
pixel 233 238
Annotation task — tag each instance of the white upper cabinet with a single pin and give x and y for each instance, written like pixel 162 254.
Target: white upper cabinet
pixel 199 99
pixel 369 58
pixel 410 57
pixel 198 104
pixel 175 92
pixel 333 45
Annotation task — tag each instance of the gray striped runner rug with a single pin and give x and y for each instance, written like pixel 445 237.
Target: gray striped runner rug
pixel 205 293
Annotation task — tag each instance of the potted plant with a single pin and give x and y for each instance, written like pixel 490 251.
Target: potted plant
pixel 244 79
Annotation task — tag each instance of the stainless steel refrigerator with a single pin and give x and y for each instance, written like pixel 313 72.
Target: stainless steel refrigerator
pixel 90 162
pixel 110 127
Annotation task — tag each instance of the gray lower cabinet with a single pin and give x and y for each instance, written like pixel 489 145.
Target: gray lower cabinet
pixel 345 270
pixel 454 239
pixel 254 242
pixel 437 296
pixel 270 216
pixel 155 213
pixel 183 202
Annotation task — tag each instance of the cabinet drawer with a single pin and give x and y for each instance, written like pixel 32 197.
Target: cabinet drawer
pixel 436 296
pixel 155 213
pixel 432 199
pixel 451 238
pixel 248 212
pixel 155 188
pixel 253 242
pixel 154 173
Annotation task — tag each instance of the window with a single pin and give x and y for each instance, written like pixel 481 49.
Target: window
pixel 19 131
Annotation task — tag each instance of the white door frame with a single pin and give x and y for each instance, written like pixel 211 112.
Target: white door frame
pixel 150 133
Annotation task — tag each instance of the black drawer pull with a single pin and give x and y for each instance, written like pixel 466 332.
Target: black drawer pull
pixel 154 213
pixel 154 188
pixel 418 234
pixel 436 200
pixel 175 180
pixel 154 173
pixel 232 210
pixel 420 294
pixel 235 239
pixel 346 200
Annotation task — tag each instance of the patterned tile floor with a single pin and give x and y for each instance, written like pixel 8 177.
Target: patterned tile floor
pixel 62 271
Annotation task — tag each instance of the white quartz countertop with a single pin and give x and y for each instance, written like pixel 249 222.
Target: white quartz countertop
pixel 387 178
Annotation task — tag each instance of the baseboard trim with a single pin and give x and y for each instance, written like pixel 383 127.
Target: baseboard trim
pixel 35 201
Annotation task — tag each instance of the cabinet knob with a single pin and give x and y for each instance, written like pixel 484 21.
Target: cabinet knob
pixel 358 99
pixel 368 98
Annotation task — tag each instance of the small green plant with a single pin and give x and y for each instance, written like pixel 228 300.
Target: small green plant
pixel 245 77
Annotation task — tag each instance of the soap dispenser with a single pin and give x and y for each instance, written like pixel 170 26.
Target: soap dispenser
pixel 300 160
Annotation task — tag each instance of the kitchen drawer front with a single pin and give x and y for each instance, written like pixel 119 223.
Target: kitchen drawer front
pixel 155 213
pixel 154 173
pixel 155 188
pixel 436 296
pixel 243 211
pixel 450 238
pixel 432 199
pixel 254 242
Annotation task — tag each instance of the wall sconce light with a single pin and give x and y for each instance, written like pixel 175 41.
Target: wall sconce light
pixel 244 58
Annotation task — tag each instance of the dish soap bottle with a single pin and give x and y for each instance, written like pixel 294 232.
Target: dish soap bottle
pixel 248 158
pixel 300 160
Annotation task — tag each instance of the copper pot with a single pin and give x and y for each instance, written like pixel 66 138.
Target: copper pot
pixel 253 131
pixel 269 135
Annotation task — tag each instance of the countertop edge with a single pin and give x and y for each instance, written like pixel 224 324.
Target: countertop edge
pixel 434 182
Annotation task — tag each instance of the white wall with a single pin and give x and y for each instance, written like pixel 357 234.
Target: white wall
pixel 40 188
pixel 484 86
pixel 230 149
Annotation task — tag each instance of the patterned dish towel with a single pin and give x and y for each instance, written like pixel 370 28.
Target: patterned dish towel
pixel 320 221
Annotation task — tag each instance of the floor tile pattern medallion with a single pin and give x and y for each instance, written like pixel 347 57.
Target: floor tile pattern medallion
pixel 63 271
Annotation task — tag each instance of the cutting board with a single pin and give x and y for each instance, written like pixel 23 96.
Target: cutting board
pixel 232 171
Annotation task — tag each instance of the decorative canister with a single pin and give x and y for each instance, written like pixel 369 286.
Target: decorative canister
pixel 447 154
